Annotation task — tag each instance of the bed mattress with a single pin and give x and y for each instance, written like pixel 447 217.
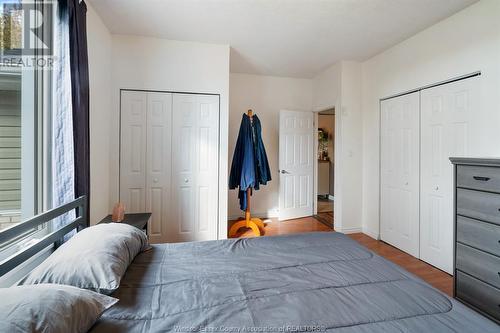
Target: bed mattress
pixel 305 282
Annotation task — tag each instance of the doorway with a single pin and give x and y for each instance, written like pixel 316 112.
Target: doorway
pixel 325 197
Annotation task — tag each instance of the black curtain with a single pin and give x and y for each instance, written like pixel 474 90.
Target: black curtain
pixel 79 67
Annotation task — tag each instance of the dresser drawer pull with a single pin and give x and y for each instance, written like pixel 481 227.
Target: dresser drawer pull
pixel 483 179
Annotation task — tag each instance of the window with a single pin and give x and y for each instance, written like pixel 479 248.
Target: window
pixel 10 146
pixel 24 112
pixel 10 120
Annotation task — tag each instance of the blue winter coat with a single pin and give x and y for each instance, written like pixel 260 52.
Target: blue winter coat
pixel 250 167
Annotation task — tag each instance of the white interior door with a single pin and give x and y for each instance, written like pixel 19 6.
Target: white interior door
pixel 450 127
pixel 296 164
pixel 158 164
pixel 133 151
pixel 195 167
pixel 399 201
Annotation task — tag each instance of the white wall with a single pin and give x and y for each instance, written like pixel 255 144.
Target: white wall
pixel 99 46
pixel 326 88
pixel 339 86
pixel 466 42
pixel 159 64
pixel 349 151
pixel 265 95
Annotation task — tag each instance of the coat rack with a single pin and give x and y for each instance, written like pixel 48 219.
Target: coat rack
pixel 253 223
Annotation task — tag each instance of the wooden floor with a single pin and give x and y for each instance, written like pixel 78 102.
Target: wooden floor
pixel 325 218
pixel 325 205
pixel 428 273
pixel 274 228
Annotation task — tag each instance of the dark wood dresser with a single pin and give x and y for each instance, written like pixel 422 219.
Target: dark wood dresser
pixel 477 234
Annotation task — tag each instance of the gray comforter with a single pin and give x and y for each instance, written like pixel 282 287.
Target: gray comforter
pixel 306 282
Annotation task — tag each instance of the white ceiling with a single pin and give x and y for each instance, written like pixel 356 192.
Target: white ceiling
pixel 297 38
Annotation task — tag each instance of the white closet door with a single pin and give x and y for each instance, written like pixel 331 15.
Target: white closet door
pixel 133 151
pixel 195 167
pixel 400 172
pixel 158 164
pixel 450 127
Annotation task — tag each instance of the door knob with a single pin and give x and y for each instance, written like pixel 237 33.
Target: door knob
pixel 436 188
pixel 155 180
pixel 186 180
pixel 284 172
pixel 406 183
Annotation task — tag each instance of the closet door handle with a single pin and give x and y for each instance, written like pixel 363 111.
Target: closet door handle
pixel 284 172
pixel 483 179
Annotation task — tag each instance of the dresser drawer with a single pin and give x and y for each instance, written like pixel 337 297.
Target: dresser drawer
pixel 480 294
pixel 479 264
pixel 479 177
pixel 482 235
pixel 480 205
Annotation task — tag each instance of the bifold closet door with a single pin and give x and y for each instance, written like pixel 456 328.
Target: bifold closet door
pixel 158 164
pixel 450 126
pixel 133 150
pixel 145 157
pixel 399 215
pixel 195 167
pixel 169 161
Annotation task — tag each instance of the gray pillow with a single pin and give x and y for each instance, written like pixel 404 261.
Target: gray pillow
pixel 50 308
pixel 96 258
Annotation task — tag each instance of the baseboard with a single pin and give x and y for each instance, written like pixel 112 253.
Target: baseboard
pixel 373 235
pixel 262 216
pixel 350 230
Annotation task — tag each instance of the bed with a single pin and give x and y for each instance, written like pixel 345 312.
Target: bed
pixel 295 283
pixel 305 282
